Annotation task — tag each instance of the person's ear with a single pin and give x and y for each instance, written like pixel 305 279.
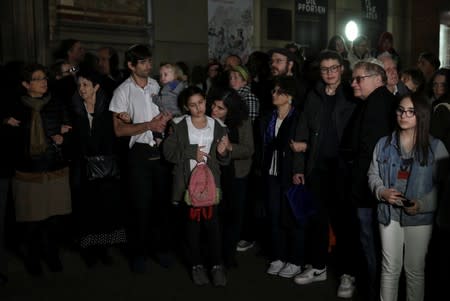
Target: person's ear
pixel 96 87
pixel 290 66
pixel 26 85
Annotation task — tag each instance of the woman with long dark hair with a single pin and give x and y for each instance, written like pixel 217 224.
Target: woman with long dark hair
pixel 403 177
pixel 231 109
pixel 198 139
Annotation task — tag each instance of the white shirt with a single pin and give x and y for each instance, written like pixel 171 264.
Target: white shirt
pixel 274 162
pixel 137 102
pixel 201 137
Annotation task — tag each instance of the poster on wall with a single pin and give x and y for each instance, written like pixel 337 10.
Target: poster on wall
pixel 373 13
pixel 230 28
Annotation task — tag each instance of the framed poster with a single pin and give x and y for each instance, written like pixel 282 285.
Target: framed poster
pixel 230 28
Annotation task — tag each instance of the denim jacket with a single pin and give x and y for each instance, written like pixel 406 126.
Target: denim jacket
pixel 421 186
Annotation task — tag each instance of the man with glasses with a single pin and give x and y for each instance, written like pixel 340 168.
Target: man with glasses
pixel 284 63
pixel 374 118
pixel 328 108
pixel 145 170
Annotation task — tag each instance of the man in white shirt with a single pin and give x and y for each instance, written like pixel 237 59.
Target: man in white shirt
pixel 136 115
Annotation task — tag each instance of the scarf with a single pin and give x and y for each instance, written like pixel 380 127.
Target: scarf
pixel 270 130
pixel 38 140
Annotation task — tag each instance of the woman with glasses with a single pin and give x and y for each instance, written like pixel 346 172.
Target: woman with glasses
pixel 41 181
pixel 277 131
pixel 403 177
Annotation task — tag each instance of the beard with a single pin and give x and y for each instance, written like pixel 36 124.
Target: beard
pixel 281 71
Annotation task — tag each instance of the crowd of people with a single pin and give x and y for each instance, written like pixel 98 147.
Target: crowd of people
pixel 99 156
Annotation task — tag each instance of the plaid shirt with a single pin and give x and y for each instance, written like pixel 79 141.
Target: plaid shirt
pixel 251 100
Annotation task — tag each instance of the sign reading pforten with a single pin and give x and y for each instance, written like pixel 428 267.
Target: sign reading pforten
pixel 312 7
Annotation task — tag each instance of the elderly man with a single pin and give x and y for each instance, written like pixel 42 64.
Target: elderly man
pixel 393 84
pixel 374 119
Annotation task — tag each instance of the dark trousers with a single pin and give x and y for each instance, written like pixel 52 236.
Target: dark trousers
pixel 41 239
pixel 334 207
pixel 149 191
pixel 232 216
pixel 286 236
pixel 196 230
pixel 4 187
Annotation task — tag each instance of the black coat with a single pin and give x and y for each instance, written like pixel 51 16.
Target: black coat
pixel 52 115
pixel 374 118
pixel 309 128
pixel 281 144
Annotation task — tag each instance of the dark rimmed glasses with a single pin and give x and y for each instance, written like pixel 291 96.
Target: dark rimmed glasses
pixel 331 69
pixel 408 113
pixel 359 79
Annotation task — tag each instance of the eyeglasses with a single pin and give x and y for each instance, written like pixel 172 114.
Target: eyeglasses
pixel 278 91
pixel 39 79
pixel 332 69
pixel 277 61
pixel 360 78
pixel 408 113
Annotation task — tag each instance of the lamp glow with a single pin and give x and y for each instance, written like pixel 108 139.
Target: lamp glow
pixel 351 30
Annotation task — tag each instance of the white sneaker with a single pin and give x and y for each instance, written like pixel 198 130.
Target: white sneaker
pixel 290 270
pixel 311 275
pixel 347 286
pixel 275 267
pixel 244 245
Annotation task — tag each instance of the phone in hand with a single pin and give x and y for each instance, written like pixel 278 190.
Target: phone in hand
pixel 407 202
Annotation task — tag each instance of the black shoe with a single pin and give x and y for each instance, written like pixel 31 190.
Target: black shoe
pixel 106 259
pixel 33 267
pixel 230 263
pixel 89 258
pixel 138 265
pixel 164 259
pixel 3 279
pixel 54 264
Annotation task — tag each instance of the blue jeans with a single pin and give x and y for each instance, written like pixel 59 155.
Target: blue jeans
pixel 369 239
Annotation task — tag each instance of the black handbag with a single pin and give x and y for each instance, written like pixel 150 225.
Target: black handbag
pixel 101 167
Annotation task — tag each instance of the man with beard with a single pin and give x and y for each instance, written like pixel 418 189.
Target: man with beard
pixel 284 63
pixel 135 115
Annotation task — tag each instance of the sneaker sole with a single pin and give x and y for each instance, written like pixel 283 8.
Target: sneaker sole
pixel 275 273
pixel 240 249
pixel 287 275
pixel 303 281
pixel 345 295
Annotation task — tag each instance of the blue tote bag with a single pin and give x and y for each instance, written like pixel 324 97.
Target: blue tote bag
pixel 301 202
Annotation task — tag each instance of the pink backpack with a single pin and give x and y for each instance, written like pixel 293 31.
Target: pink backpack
pixel 202 190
